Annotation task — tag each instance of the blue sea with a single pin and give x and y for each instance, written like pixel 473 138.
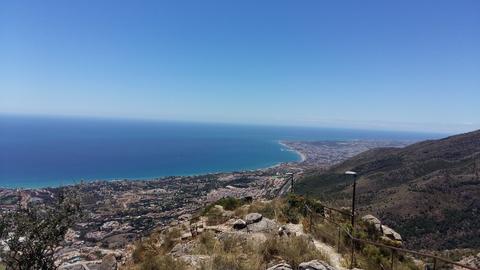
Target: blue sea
pixel 48 151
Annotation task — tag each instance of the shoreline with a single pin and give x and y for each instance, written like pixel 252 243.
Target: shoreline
pixel 282 143
pixel 303 157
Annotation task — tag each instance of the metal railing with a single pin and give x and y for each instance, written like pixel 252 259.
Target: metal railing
pixel 395 251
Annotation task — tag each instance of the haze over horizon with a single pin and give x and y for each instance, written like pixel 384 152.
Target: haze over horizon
pixel 409 65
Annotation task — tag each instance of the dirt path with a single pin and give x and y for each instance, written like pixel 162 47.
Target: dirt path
pixel 334 258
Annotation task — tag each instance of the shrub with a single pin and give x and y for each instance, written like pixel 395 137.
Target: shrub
pixel 215 216
pixel 267 209
pixel 294 250
pixel 207 243
pixel 228 203
pixel 34 231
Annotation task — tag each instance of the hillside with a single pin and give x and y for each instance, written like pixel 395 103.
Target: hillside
pixel 240 234
pixel 428 191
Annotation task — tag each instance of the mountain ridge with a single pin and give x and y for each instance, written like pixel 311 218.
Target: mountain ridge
pixel 428 190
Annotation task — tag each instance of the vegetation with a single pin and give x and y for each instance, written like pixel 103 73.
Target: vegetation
pixel 233 252
pixel 33 231
pixel 162 262
pixel 228 203
pixel 294 250
pixel 427 191
pixel 215 215
pixel 239 252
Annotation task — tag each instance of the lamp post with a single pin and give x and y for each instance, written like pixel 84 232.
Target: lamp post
pixel 354 174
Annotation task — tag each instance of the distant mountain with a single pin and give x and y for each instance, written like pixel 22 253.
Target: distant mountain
pixel 428 191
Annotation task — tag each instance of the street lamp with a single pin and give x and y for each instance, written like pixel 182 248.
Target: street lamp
pixel 354 174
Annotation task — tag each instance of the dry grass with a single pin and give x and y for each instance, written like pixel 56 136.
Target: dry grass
pixel 215 217
pixel 239 253
pixel 294 250
pixel 162 262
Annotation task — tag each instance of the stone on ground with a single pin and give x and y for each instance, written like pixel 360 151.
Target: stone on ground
pixel 253 218
pixel 264 226
pixel 282 266
pixel 315 265
pixel 239 224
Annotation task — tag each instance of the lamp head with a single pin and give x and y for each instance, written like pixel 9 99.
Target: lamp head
pixel 350 173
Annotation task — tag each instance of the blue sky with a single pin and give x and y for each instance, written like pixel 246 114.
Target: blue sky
pixel 407 65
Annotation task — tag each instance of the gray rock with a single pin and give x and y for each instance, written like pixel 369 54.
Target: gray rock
pixel 239 224
pixel 109 262
pixel 195 260
pixel 372 220
pixel 253 218
pixel 284 231
pixel 390 233
pixel 315 265
pixel 263 226
pixel 282 266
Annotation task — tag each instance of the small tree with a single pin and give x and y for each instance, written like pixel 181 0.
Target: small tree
pixel 32 233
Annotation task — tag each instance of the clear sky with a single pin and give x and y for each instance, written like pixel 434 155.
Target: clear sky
pixel 409 65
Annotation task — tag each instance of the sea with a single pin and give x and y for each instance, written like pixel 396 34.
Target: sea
pixel 38 152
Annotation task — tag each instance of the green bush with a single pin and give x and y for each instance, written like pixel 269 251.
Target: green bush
pixel 228 203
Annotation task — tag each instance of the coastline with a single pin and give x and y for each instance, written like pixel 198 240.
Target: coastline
pixel 283 146
pixel 303 157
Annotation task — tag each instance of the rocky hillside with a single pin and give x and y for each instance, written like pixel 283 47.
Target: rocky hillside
pixel 428 191
pixel 275 235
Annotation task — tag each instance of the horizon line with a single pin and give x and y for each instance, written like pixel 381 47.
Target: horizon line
pixel 242 123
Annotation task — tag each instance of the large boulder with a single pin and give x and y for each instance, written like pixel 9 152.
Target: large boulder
pixel 390 233
pixel 282 266
pixel 263 226
pixel 373 221
pixel 253 218
pixel 239 224
pixel 315 265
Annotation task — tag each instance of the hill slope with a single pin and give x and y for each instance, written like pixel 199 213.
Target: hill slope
pixel 429 191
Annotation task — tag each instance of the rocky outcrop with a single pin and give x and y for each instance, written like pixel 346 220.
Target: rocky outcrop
pixel 253 218
pixel 373 221
pixel 386 233
pixel 263 226
pixel 239 224
pixel 315 265
pixel 391 234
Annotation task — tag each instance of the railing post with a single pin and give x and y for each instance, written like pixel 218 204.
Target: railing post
pixel 338 240
pixel 434 263
pixel 353 253
pixel 393 258
pixel 311 220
